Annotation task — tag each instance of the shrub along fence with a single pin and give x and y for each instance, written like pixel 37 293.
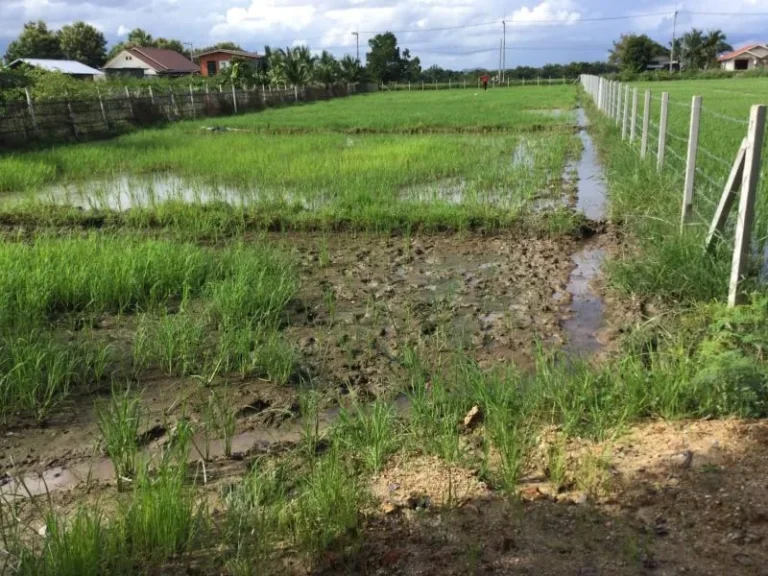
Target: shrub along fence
pixel 710 183
pixel 112 111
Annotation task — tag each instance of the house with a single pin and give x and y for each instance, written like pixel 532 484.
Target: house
pixel 214 61
pixel 661 63
pixel 139 62
pixel 71 68
pixel 746 58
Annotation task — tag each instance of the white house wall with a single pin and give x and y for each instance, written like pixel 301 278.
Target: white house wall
pixel 127 60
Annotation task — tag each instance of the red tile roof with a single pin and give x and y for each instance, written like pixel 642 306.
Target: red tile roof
pixel 252 55
pixel 740 51
pixel 164 61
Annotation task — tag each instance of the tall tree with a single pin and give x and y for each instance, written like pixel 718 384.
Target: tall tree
pixel 221 46
pixel 633 52
pixel 327 69
pixel 694 50
pixel 82 42
pixel 350 69
pixel 384 62
pixel 35 41
pixel 140 38
pixel 715 43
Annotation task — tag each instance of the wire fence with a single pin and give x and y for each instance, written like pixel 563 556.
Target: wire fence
pixel 23 122
pixel 475 85
pixel 709 162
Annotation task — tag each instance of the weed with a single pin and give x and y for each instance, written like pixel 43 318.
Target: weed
pixel 369 433
pixel 556 463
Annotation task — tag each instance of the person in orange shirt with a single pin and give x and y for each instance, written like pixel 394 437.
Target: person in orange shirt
pixel 484 79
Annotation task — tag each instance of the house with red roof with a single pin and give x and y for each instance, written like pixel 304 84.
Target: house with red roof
pixel 214 61
pixel 746 58
pixel 138 62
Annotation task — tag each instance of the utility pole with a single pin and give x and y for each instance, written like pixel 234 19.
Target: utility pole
pixel 357 44
pixel 501 53
pixel 672 53
pixel 504 51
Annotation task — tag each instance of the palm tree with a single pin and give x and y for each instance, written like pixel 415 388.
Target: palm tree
pixel 694 54
pixel 350 69
pixel 296 65
pixel 714 44
pixel 327 69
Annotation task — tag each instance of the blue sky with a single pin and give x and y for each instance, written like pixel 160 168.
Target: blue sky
pixel 537 31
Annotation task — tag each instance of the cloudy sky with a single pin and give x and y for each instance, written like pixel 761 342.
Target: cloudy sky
pixel 451 33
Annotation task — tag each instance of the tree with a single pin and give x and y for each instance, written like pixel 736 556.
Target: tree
pixel 693 50
pixel 138 38
pixel 350 69
pixel 82 42
pixel 410 67
pixel 384 62
pixel 221 46
pixel 171 44
pixel 633 52
pixel 35 41
pixel 327 69
pixel 290 66
pixel 715 43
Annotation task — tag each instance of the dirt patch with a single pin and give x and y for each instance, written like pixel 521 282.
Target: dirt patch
pixel 682 498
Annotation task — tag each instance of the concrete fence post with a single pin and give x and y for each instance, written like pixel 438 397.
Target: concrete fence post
pixel 746 217
pixel 618 104
pixel 646 124
pixel 663 119
pixel 625 123
pixel 151 96
pixel 101 106
pixel 690 160
pixel 633 123
pixel 234 97
pixel 192 101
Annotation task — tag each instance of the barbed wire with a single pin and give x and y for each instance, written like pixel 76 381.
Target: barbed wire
pixel 680 105
pixel 708 178
pixel 676 155
pixel 716 158
pixel 676 137
pixel 724 117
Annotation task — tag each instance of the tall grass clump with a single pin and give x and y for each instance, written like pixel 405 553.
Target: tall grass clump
pixel 119 424
pixel 368 432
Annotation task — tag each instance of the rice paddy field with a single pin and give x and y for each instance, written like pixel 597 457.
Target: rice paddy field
pixel 398 333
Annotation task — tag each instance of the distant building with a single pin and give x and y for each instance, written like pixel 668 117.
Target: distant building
pixel 214 61
pixel 139 62
pixel 661 63
pixel 69 67
pixel 745 58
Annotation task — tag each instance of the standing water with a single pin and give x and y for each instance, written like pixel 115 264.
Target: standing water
pixel 586 306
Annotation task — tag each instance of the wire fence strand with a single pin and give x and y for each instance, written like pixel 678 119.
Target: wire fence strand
pixel 724 117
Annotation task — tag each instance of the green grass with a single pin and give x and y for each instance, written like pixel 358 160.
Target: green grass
pixel 725 112
pixel 416 111
pixel 190 310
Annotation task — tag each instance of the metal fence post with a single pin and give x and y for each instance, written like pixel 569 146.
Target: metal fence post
pixel 749 185
pixel 646 124
pixel 662 149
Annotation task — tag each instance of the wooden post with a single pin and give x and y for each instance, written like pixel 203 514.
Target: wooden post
pixel 71 116
pixel 662 149
pixel 31 109
pixel 234 97
pixel 101 105
pixel 128 97
pixel 625 123
pixel 717 226
pixel 749 186
pixel 690 160
pixel 192 101
pixel 633 123
pixel 646 124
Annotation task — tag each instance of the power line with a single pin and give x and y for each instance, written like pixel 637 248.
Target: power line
pixel 545 21
pixel 743 14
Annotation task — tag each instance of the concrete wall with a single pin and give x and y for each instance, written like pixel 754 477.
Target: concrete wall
pixel 222 60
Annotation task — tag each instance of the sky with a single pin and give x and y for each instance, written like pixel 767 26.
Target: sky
pixel 457 34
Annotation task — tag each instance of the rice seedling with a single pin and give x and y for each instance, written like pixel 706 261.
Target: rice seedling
pixel 119 424
pixel 310 425
pixel 225 418
pixel 556 468
pixel 368 432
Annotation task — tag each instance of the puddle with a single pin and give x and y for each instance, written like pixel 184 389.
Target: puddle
pixel 125 192
pixel 586 305
pixel 591 187
pixel 456 192
pixel 551 112
pixel 100 469
pixel 523 155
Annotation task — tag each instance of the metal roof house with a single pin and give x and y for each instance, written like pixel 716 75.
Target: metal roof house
pixel 139 62
pixel 68 67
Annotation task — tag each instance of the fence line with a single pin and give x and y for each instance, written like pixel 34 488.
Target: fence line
pixel 66 119
pixel 741 179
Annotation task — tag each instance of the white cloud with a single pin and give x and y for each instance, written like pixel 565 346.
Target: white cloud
pixel 122 30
